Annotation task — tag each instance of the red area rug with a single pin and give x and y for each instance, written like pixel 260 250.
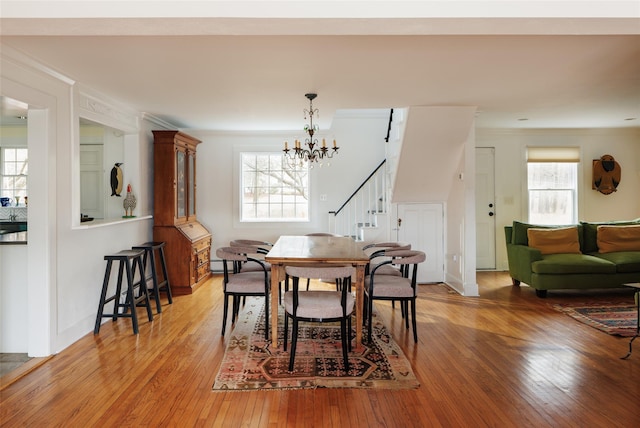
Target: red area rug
pixel 250 362
pixel 615 319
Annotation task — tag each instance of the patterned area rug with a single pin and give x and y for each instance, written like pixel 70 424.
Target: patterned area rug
pixel 615 319
pixel 250 362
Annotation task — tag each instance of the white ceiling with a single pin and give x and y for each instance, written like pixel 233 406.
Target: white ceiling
pixel 248 73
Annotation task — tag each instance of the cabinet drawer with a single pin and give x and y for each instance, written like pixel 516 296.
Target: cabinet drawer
pixel 203 270
pixel 202 257
pixel 201 245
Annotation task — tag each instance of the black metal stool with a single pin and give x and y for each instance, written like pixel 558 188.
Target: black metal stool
pixel 128 259
pixel 149 256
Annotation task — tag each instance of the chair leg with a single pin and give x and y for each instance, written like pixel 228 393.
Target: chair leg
pixel 266 316
pixel 349 326
pixel 286 331
pixel 225 312
pixel 345 353
pixel 413 320
pixel 405 310
pixel 235 307
pixel 365 309
pixel 154 276
pixel 294 342
pixel 370 319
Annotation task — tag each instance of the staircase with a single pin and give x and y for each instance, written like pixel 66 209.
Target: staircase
pixel 364 215
pixel 365 210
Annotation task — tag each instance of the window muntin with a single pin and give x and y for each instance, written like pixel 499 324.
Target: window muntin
pixel 271 191
pixel 14 170
pixel 553 192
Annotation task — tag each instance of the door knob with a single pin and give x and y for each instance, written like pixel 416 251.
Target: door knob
pixel 399 222
pixel 490 213
pixel 490 205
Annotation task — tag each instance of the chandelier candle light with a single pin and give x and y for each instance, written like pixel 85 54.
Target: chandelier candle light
pixel 311 153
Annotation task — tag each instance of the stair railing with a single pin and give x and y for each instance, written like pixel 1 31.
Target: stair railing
pixel 360 210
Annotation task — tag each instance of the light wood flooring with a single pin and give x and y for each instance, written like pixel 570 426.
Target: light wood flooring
pixel 504 359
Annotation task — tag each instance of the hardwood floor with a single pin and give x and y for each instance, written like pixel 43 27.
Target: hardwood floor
pixel 503 359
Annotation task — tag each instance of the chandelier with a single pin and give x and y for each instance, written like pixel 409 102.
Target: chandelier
pixel 311 151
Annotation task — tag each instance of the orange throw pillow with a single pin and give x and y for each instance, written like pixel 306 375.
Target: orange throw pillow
pixel 555 241
pixel 611 239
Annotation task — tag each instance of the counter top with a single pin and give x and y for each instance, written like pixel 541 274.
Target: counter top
pixel 14 238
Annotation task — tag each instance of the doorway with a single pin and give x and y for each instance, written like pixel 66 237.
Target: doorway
pixel 485 209
pixel 421 225
pixel 91 181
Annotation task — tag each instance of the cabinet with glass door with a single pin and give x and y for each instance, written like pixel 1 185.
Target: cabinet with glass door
pixel 175 218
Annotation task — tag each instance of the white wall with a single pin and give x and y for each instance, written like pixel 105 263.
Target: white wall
pixel 510 164
pixel 437 153
pixel 13 270
pixel 13 298
pixel 460 255
pixel 65 260
pixel 361 141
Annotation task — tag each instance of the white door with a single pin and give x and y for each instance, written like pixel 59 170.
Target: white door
pixel 485 209
pixel 92 192
pixel 421 225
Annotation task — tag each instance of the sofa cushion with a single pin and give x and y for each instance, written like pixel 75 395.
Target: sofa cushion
pixel 618 238
pixel 625 261
pixel 519 231
pixel 554 241
pixel 571 264
pixel 590 232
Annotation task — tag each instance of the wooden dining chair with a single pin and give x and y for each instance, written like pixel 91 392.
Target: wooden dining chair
pixel 261 248
pixel 393 287
pixel 376 256
pixel 319 305
pixel 242 284
pixel 375 252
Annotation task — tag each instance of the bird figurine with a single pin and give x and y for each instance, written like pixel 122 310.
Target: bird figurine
pixel 116 179
pixel 606 175
pixel 129 202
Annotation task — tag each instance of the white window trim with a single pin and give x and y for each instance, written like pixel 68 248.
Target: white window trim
pixel 2 172
pixel 525 185
pixel 268 225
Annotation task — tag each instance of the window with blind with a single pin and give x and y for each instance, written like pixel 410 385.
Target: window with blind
pixel 552 182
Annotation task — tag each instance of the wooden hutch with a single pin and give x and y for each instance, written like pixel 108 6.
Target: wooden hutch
pixel 188 243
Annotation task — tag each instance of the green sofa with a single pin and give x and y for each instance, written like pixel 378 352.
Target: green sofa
pixel 588 269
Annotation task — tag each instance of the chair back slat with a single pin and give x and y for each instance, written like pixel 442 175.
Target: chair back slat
pixel 405 257
pixel 234 253
pixel 324 272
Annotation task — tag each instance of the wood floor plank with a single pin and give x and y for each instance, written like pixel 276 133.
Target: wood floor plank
pixel 506 358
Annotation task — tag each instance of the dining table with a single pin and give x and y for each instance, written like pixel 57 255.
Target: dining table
pixel 316 250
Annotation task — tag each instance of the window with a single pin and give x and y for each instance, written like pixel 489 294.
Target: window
pixel 552 180
pixel 272 191
pixel 14 173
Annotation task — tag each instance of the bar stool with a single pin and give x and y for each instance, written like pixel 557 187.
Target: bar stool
pixel 150 248
pixel 128 259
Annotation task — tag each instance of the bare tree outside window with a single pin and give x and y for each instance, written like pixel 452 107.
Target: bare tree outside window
pixel 271 190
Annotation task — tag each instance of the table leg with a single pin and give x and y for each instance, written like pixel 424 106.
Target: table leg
pixel 276 270
pixel 637 297
pixel 359 303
